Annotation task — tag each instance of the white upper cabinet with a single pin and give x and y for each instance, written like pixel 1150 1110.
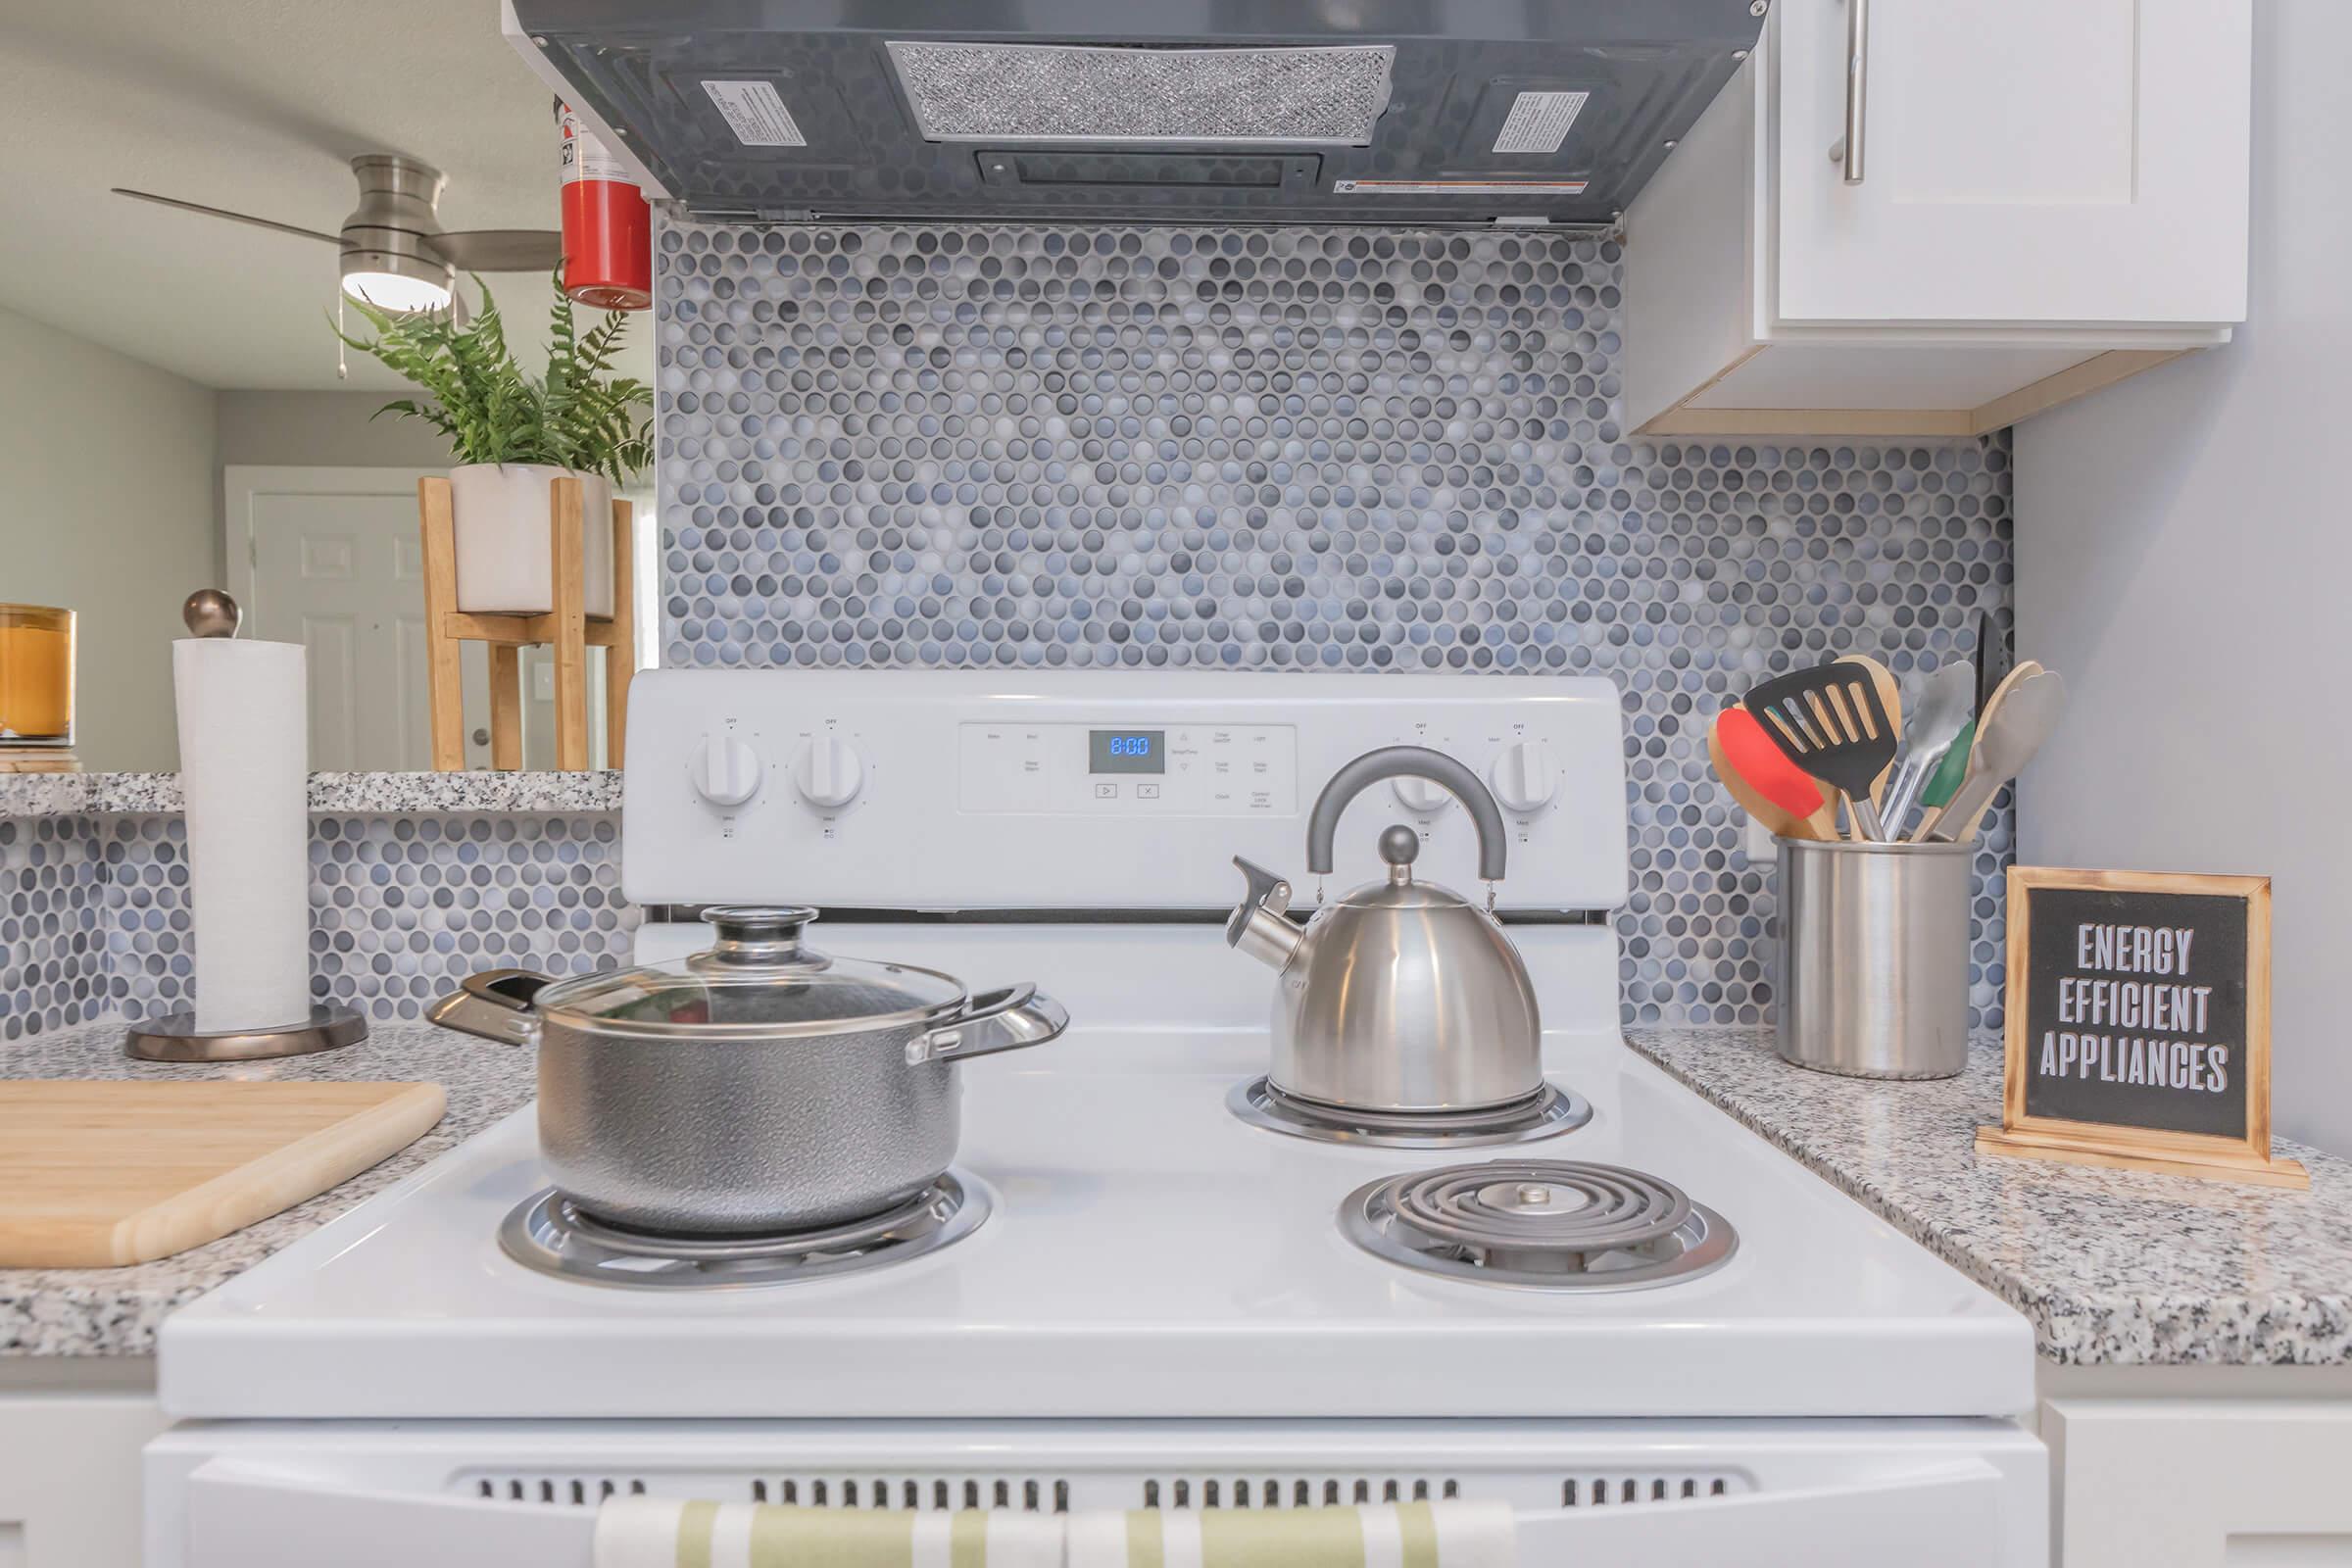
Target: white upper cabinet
pixel 2040 196
pixel 2030 160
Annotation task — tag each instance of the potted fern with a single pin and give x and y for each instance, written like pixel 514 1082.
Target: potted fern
pixel 512 433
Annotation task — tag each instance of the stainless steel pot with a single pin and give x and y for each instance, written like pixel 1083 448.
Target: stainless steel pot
pixel 758 1087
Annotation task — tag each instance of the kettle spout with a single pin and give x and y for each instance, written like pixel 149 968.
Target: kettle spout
pixel 1256 928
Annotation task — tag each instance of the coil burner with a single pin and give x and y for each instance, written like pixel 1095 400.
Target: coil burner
pixel 1555 1225
pixel 1546 1113
pixel 555 1236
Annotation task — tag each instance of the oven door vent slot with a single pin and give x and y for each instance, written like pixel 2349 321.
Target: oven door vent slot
pixel 575 1492
pixel 927 1493
pixel 1611 1489
pixel 933 1492
pixel 1292 1491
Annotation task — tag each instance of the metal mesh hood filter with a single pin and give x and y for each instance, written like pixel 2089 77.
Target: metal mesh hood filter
pixel 1075 93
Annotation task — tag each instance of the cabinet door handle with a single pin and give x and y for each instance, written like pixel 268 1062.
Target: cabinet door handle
pixel 1847 149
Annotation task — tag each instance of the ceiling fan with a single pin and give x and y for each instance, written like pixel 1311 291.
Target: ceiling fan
pixel 396 255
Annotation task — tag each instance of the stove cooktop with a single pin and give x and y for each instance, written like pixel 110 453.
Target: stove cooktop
pixel 1149 1254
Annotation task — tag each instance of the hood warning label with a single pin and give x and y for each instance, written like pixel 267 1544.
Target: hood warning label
pixel 1539 122
pixel 755 111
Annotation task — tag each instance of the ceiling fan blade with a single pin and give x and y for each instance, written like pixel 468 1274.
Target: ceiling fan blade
pixel 500 249
pixel 222 211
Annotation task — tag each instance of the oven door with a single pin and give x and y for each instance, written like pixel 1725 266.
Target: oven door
pixel 1630 1494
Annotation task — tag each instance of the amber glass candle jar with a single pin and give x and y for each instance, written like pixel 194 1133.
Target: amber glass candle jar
pixel 37 675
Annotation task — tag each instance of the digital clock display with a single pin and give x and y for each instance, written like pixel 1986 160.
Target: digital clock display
pixel 1127 751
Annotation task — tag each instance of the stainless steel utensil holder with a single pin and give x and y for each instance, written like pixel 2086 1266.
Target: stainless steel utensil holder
pixel 1874 957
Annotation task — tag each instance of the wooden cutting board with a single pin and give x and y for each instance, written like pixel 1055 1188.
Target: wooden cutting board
pixel 99 1174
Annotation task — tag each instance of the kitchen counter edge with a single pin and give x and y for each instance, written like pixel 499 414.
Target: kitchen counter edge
pixel 373 794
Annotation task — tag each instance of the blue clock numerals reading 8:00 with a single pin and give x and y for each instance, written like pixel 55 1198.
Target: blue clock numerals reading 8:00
pixel 1125 751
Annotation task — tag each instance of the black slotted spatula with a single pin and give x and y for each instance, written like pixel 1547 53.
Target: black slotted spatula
pixel 1828 722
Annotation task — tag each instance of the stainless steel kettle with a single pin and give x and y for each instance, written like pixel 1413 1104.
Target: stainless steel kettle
pixel 1400 995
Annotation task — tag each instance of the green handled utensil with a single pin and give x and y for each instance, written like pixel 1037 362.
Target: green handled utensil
pixel 1951 770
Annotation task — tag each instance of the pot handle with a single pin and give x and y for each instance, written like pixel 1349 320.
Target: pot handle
pixel 990 1022
pixel 496 1004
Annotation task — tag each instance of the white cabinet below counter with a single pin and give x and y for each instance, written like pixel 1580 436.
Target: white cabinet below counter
pixel 71 1436
pixel 2213 1482
pixel 2037 200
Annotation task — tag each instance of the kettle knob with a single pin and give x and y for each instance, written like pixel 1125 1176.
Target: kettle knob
pixel 1400 845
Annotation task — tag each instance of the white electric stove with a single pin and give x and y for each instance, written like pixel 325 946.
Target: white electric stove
pixel 1142 1286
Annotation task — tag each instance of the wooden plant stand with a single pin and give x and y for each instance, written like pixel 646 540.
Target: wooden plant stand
pixel 567 628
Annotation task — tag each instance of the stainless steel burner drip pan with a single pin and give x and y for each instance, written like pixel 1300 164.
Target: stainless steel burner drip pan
pixel 1536 1224
pixel 551 1235
pixel 1545 1114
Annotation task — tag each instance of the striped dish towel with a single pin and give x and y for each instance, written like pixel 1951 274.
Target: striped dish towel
pixel 640 1532
pixel 1399 1535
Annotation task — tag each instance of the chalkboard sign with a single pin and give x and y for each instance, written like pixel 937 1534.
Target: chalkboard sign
pixel 2139 1024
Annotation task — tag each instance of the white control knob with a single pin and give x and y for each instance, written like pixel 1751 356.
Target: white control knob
pixel 1421 797
pixel 726 771
pixel 1524 778
pixel 828 772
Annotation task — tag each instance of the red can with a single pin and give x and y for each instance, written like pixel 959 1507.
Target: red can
pixel 608 228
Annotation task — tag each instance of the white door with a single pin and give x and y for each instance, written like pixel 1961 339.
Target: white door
pixel 332 558
pixel 2022 162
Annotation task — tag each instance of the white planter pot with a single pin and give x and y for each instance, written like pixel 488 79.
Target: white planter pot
pixel 506 563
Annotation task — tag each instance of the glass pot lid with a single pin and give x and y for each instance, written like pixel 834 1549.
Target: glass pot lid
pixel 758 979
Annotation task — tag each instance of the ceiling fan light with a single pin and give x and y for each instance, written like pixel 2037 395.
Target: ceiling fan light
pixel 395 291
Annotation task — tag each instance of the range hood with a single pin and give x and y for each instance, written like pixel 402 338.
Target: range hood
pixel 1232 111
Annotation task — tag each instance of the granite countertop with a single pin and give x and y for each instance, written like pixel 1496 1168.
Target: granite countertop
pixel 116 1311
pixel 2112 1267
pixel 384 793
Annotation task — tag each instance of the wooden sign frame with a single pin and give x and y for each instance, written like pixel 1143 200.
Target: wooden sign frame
pixel 2245 1157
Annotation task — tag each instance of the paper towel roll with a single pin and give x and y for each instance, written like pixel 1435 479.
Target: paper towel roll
pixel 244 762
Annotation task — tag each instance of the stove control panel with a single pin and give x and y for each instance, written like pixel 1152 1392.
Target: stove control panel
pixel 1008 768
pixel 1003 790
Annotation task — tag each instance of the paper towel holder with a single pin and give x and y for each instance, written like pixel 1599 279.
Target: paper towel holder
pixel 211 613
pixel 175 1037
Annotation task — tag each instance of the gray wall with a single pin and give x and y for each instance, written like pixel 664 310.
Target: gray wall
pixel 325 429
pixel 113 497
pixel 2182 556
pixel 109 477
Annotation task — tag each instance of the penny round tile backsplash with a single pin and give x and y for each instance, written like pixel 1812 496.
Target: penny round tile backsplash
pixel 53 960
pixel 1139 449
pixel 401 907
pixel 1036 447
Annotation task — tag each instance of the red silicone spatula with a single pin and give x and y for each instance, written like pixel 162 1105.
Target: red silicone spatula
pixel 1775 791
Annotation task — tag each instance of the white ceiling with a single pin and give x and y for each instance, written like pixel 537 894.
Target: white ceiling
pixel 253 105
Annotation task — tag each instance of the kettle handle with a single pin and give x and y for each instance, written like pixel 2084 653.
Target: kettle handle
pixel 1401 761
